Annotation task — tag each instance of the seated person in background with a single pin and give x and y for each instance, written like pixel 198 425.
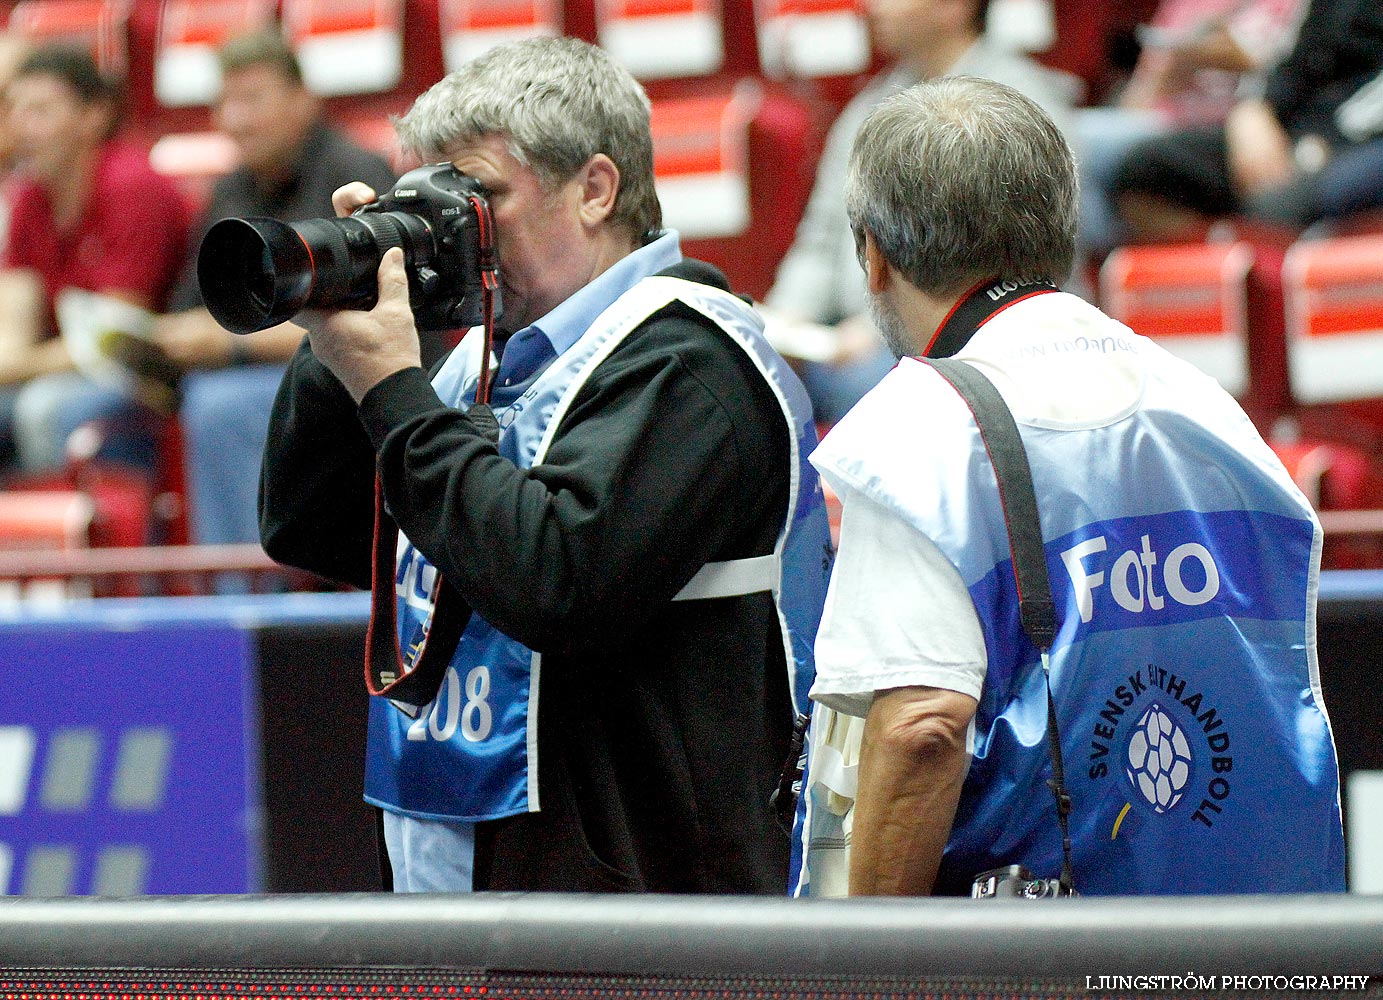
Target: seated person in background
pixel 1183 563
pixel 290 163
pixel 87 212
pixel 13 49
pixel 1195 58
pixel 818 282
pixel 1284 158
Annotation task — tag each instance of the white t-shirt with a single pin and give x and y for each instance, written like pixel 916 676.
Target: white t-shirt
pixel 920 626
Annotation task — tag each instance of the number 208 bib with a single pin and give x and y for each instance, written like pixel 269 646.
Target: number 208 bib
pixel 472 753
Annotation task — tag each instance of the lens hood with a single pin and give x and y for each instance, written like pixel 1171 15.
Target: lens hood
pixel 254 273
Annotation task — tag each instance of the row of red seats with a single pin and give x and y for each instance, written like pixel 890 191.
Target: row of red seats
pixel 1296 332
pixel 734 83
pixel 379 46
pixel 370 57
pixel 397 48
pixel 705 138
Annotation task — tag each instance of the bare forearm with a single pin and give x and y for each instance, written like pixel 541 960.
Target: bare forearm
pixel 44 358
pixel 193 339
pixel 910 777
pixel 23 354
pixel 1259 150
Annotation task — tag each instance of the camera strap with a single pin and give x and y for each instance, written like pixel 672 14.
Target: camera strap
pixel 1018 500
pixel 408 676
pixel 411 676
pixel 491 303
pixel 977 307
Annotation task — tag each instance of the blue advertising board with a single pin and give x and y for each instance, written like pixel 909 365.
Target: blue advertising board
pixel 133 756
pixel 124 759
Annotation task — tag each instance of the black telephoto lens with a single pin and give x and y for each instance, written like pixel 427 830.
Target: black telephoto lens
pixel 256 273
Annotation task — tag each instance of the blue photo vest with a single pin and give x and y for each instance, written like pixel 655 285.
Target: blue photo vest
pixel 472 754
pixel 1184 564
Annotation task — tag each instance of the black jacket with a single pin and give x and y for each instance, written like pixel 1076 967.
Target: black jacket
pixel 1339 48
pixel 662 726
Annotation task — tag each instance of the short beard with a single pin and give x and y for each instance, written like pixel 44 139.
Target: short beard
pixel 890 326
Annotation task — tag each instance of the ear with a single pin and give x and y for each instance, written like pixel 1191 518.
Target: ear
pixel 877 271
pixel 597 186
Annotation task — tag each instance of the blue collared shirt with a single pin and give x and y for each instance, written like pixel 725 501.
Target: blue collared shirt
pixel 533 348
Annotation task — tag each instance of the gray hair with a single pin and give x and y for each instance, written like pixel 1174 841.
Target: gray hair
pixel 961 179
pixel 557 102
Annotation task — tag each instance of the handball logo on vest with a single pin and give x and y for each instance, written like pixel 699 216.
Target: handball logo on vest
pixel 1159 759
pixel 1140 580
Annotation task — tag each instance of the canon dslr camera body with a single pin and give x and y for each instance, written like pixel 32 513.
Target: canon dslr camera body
pixel 256 273
pixel 1016 882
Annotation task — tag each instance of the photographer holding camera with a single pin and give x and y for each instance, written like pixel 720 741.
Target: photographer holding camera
pixel 599 617
pixel 1182 560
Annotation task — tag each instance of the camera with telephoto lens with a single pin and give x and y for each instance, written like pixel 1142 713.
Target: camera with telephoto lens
pixel 256 273
pixel 1016 882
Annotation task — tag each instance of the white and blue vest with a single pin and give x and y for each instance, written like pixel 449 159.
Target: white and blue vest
pixel 472 753
pixel 1184 564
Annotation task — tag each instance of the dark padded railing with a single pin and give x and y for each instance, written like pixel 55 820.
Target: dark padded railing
pixel 722 936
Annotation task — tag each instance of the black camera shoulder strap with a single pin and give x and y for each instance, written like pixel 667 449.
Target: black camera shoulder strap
pixel 1037 610
pixel 978 306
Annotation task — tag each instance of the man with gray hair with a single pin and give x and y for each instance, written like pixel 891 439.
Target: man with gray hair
pixel 602 582
pixel 1183 564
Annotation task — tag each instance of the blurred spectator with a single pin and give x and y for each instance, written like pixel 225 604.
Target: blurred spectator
pixel 13 49
pixel 1283 157
pixel 290 163
pixel 1194 56
pixel 819 282
pixel 86 213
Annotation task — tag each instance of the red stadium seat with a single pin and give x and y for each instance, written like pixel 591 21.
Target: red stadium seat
pixel 347 46
pixel 1216 305
pixel 470 27
pixel 701 161
pixel 1338 478
pixel 1333 292
pixel 41 520
pixel 1193 300
pixel 784 140
pixel 1333 476
pixel 811 38
pixel 1333 296
pixel 45 519
pixel 189 34
pixel 98 25
pixel 658 39
pixel 89 505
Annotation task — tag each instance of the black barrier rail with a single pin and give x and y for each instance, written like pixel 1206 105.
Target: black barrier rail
pixel 1285 945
